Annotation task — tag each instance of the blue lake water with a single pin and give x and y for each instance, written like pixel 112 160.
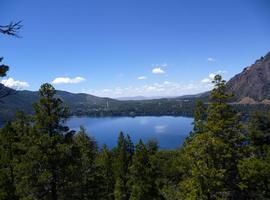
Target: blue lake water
pixel 170 132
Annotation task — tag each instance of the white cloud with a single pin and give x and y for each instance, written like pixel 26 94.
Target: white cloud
pixel 165 88
pixel 17 85
pixel 67 80
pixel 151 88
pixel 158 70
pixel 211 76
pixel 211 59
pixel 142 78
pixel 221 72
pixel 166 82
pixel 206 80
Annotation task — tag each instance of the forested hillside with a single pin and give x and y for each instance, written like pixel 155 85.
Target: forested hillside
pixel 41 158
pixel 89 105
pixel 250 89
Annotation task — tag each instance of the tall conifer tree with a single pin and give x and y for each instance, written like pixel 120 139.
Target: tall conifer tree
pixel 45 165
pixel 213 155
pixel 255 167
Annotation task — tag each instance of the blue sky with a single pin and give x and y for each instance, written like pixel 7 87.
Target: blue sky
pixel 132 47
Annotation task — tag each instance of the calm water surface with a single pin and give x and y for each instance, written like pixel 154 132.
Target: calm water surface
pixel 170 132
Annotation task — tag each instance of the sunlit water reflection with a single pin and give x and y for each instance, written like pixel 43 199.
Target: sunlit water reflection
pixel 170 132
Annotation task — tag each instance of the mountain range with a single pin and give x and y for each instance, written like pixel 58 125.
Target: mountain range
pixel 251 86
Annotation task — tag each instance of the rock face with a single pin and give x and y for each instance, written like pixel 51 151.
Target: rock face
pixel 253 82
pixel 247 100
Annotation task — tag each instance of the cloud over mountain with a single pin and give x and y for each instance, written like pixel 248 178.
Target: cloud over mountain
pixel 17 85
pixel 165 88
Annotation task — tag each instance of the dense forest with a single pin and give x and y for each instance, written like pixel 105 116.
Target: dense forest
pixel 223 158
pixel 88 105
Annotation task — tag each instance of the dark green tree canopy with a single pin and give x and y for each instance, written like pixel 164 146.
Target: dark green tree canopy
pixel 40 158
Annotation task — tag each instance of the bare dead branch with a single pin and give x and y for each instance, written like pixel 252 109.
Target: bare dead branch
pixel 11 29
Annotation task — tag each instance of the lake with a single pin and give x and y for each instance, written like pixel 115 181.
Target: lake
pixel 170 132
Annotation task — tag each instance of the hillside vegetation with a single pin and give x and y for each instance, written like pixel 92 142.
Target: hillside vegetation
pixel 42 159
pixel 251 89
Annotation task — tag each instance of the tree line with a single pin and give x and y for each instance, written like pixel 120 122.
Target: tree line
pixel 223 158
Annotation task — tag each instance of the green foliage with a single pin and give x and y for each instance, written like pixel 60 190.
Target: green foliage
pixel 199 117
pixel 3 69
pixel 255 176
pixel 171 169
pixel 143 174
pixel 49 154
pixel 255 167
pixel 123 159
pixel 259 131
pixel 88 105
pixel 212 155
pixel 40 158
pixel 50 114
pixel 8 147
pixel 13 138
pixel 84 170
pixel 104 163
pixel 204 179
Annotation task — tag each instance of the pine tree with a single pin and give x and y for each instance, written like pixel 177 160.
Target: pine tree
pixel 139 177
pixel 121 169
pixel 13 139
pixel 259 132
pixel 44 167
pixel 255 168
pixel 204 178
pixel 120 189
pixel 213 155
pixel 199 121
pixel 224 123
pixel 155 171
pixel 50 114
pixel 8 148
pixel 86 177
pixel 129 149
pixel 199 117
pixel 143 175
pixel 152 146
pixel 104 164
